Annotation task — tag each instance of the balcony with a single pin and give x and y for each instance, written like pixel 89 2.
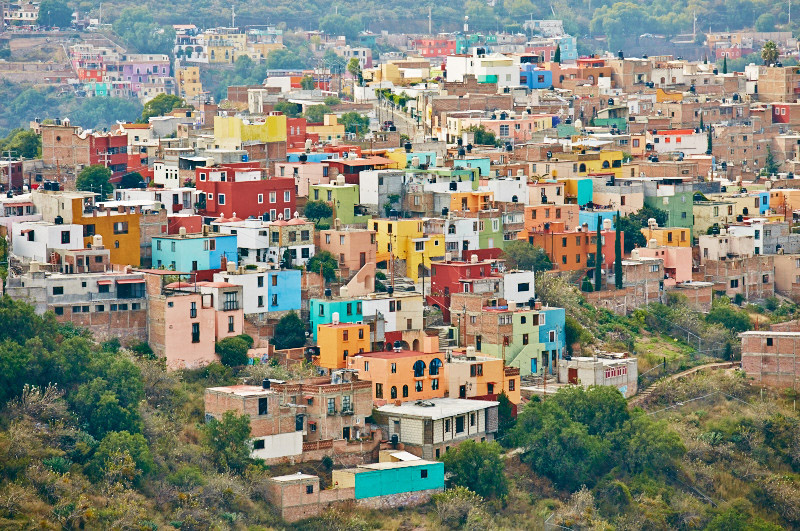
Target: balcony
pixel 346 411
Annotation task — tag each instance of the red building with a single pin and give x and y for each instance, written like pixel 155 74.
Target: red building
pixel 448 277
pixel 435 47
pixel 548 51
pixel 11 175
pixel 296 134
pixel 240 188
pixel 111 151
pixel 351 168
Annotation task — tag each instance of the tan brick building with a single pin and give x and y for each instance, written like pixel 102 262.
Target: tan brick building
pixel 771 358
pixel 752 277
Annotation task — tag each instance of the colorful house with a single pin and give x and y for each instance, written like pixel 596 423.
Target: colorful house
pixel 230 132
pixel 322 311
pixel 195 252
pixel 343 198
pixel 404 239
pixel 339 341
pixel 401 375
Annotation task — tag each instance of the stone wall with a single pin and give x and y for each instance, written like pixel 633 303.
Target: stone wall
pixel 403 499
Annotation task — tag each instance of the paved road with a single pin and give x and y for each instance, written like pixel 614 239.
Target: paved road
pixel 405 125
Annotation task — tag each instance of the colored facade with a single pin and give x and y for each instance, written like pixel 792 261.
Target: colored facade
pixel 401 375
pixel 339 341
pixel 194 252
pixel 404 239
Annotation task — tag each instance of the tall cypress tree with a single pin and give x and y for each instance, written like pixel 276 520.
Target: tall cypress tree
pixel 725 65
pixel 618 255
pixel 598 257
pixel 557 55
pixel 710 145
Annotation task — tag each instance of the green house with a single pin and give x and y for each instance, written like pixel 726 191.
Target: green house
pixel 343 198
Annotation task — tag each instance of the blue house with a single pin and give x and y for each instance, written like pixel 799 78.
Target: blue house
pixel 194 252
pixel 763 202
pixel 590 218
pixel 569 47
pixel 483 164
pixel 552 335
pixel 389 478
pixel 311 157
pixel 321 312
pixel 535 78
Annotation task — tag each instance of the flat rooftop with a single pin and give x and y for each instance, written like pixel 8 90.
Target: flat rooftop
pixel 437 408
pixel 241 390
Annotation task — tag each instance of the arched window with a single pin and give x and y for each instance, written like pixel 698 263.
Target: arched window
pixel 582 168
pixel 606 165
pixel 436 363
pixel 393 392
pixel 419 368
pixel 405 391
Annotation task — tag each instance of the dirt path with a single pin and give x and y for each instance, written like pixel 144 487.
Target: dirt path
pixel 712 366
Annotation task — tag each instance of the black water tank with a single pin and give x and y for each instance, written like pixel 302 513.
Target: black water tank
pixel 303 157
pixel 408 147
pixel 58 220
pixel 390 290
pixel 397 344
pixel 328 292
pixel 461 152
pixel 469 148
pixel 445 211
pixel 453 186
pixel 265 383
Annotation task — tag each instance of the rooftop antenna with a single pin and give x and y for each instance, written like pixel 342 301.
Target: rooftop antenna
pixel 233 16
pixel 430 25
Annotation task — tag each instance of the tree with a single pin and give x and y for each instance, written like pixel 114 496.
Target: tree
pixel 521 254
pixel 632 225
pixel 290 332
pixel 724 313
pixel 317 210
pixel 326 262
pixel 482 136
pixel 769 53
pixel 161 105
pixel 709 143
pixel 354 68
pixel 598 257
pixel 618 255
pixel 335 24
pixel 770 166
pixel 95 178
pixel 331 101
pixel 115 443
pixel 315 114
pixel 307 82
pixel 232 351
pixel 136 26
pixel 505 416
pixel 765 22
pixel 291 110
pixel 477 466
pixel 229 441
pixel 575 333
pixel 354 122
pixel 557 55
pixel 24 142
pixel 286 259
pixel 725 65
pixel 131 180
pixel 650 446
pixel 54 13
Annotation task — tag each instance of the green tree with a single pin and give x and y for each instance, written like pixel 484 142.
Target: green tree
pixel 291 110
pixel 632 225
pixel 332 101
pixel 505 417
pixel 317 210
pixel 136 26
pixel 335 25
pixel 110 402
pixel 598 257
pixel 725 65
pixel 765 22
pixel 770 166
pixel 122 442
pixel 354 68
pixel 232 351
pixel 477 466
pixel 709 143
pixel 618 255
pixel 650 446
pixel 96 113
pixel 161 105
pixel 290 332
pixel 483 137
pixel 95 178
pixel 557 55
pixel 354 122
pixel 521 254
pixel 54 13
pixel 307 82
pixel 315 114
pixel 575 333
pixel 327 262
pixel 22 143
pixel 769 53
pixel 229 441
pixel 131 180
pixel 724 313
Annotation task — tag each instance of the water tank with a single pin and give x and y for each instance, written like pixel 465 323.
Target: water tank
pixel 461 152
pixel 390 290
pixel 335 318
pixel 328 293
pixel 408 147
pixel 620 54
pixel 415 162
pixel 265 383
pixel 303 157
pixel 58 220
pixel 445 211
pixel 453 186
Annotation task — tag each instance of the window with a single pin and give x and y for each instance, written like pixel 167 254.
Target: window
pixel 332 405
pixel 193 311
pixel 258 444
pixel 263 406
pixel 423 473
pixel 260 301
pixel 511 385
pixel 769 341
pixel 230 324
pixel 418 386
pixel 476 370
pixel 274 300
pixel 287 196
pixel 394 368
pixel 459 424
pixel 347 403
pixel 309 489
pixel 393 392
pixel 64 236
pixel 552 336
pixel 405 391
pixel 58 310
pixel 419 369
pixel 260 198
pixel 378 390
pixel 524 339
pixel 121 227
pixel 523 286
pixel 345 335
pixel 435 365
pixel 360 333
pixel 366 366
pixel 260 282
pixel 195 332
pixel 435 384
pixel 231 301
pixel 735 283
pixel 273 197
pixel 472 416
pixel 58 290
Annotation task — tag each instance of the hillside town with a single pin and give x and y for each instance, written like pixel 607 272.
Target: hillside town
pixel 390 244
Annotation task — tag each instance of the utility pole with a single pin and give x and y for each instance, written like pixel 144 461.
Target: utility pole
pixel 430 22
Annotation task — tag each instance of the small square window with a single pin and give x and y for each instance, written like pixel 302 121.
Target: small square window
pixel 309 489
pixel 423 473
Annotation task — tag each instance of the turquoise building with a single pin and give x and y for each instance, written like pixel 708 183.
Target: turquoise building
pixel 321 312
pixel 194 252
pixel 552 335
pixel 590 218
pixel 483 164
pixel 385 479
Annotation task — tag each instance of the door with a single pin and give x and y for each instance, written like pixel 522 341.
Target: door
pixel 572 376
pixel 346 433
pixel 534 366
pixel 362 259
pixel 462 391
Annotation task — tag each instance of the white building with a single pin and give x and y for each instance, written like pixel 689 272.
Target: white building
pixel 622 373
pixel 685 141
pixel 36 240
pixel 264 242
pixel 725 245
pixel 460 235
pixel 400 311
pixel 509 189
pixel 175 200
pixel 375 187
pixel 518 286
pixel 487 68
pixel 166 174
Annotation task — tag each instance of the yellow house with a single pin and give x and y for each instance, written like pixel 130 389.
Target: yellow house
pixel 582 164
pixel 230 131
pixel 329 129
pixel 222 47
pixel 709 213
pixel 669 236
pixel 663 96
pixel 187 79
pixel 339 340
pixel 404 239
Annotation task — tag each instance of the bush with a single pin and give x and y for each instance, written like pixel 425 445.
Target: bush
pixel 232 351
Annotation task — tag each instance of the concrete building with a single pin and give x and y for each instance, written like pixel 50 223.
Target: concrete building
pixel 268 293
pixel 37 240
pixel 264 243
pixel 753 277
pixel 431 427
pixel 771 357
pixel 621 373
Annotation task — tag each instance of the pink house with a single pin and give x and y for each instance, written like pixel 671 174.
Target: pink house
pixel 677 262
pixel 305 174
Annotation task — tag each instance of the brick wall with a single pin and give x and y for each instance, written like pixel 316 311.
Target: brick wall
pixel 774 365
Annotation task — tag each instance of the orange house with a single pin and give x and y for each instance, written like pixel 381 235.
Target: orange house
pixel 480 376
pixel 401 375
pixel 338 341
pixel 470 201
pixel 537 215
pixel 575 250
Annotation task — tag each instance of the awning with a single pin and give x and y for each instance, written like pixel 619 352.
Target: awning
pixel 25 231
pixel 312 423
pixel 130 281
pixel 104 282
pixel 308 397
